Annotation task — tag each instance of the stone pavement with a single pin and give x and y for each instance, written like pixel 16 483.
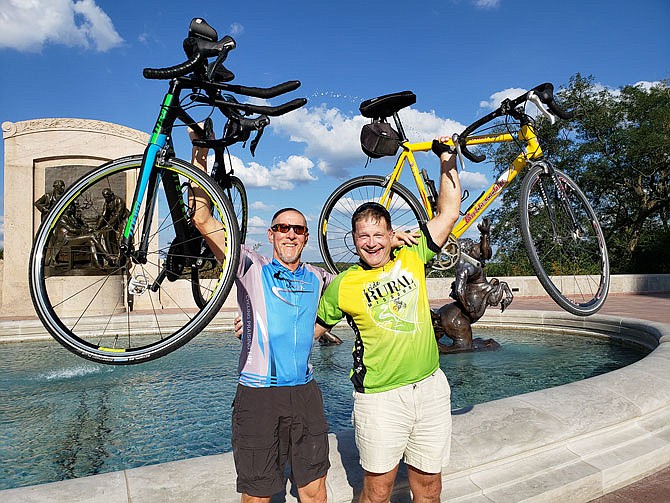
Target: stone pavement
pixel 647 306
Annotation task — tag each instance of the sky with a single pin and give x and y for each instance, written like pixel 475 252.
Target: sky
pixel 84 59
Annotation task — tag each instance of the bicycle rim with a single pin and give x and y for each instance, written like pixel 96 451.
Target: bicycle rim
pixel 102 307
pixel 570 261
pixel 335 237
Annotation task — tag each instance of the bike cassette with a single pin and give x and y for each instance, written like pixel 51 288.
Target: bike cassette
pixel 448 256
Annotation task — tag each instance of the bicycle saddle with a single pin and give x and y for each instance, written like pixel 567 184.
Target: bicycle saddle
pixel 386 105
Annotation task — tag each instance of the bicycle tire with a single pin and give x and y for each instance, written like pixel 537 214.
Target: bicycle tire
pixel 572 266
pixel 237 195
pixel 100 307
pixel 335 240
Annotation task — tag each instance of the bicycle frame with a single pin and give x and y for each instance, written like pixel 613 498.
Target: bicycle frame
pixel 531 151
pixel 154 154
pixel 148 177
pixel 159 149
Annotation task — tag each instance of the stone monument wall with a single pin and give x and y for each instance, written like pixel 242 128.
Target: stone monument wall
pixel 37 152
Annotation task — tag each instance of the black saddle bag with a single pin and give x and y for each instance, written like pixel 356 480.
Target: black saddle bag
pixel 379 139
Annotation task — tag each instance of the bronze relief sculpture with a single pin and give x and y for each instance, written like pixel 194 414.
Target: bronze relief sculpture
pixel 87 236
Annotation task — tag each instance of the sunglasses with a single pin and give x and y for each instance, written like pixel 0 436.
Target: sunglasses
pixel 284 228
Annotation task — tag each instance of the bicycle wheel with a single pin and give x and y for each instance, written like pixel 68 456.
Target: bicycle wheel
pixel 116 310
pixel 569 257
pixel 335 237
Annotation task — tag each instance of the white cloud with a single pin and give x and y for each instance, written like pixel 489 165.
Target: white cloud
pixel 497 98
pixel 473 179
pixel 646 85
pixel 236 29
pixel 260 206
pixel 486 4
pixel 615 92
pixel 421 126
pixel 257 226
pixel 333 139
pixel 26 25
pixel 257 231
pixel 284 175
pixel 257 222
pixel 331 142
pixel 329 136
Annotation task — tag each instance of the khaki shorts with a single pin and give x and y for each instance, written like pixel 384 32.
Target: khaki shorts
pixel 412 422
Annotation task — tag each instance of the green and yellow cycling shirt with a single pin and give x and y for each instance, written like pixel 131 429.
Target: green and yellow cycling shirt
pixel 388 310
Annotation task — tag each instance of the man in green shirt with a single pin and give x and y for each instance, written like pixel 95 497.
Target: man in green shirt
pixel 402 399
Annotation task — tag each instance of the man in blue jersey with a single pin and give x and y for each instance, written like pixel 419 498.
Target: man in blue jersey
pixel 278 408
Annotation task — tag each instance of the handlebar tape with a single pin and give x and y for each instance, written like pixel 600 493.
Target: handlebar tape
pixel 267 110
pixel 195 58
pixel 546 94
pixel 264 92
pixel 172 71
pixel 469 155
pixel 198 51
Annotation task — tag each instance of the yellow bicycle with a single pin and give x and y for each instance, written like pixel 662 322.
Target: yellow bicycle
pixel 560 231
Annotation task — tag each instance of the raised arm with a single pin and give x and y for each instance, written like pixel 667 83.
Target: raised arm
pixel 449 196
pixel 210 228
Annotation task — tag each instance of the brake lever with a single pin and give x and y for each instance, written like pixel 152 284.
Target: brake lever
pixel 459 154
pixel 261 123
pixel 254 142
pixel 535 99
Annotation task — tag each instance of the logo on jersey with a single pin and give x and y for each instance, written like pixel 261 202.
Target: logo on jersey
pixel 276 290
pixel 392 299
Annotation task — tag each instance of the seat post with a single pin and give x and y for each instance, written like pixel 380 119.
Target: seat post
pixel 399 127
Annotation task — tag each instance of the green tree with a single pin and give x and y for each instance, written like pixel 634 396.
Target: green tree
pixel 617 149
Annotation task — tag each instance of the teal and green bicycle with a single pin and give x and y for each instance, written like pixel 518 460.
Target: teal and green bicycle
pixel 137 286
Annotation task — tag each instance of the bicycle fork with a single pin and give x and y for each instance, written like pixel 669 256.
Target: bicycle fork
pixel 548 169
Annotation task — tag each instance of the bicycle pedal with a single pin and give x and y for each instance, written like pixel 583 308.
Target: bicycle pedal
pixel 138 285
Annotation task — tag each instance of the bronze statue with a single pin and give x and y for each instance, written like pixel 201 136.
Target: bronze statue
pixel 472 293
pixel 111 223
pixel 49 199
pixel 72 232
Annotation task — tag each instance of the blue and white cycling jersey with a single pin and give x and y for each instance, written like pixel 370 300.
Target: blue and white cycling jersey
pixel 278 309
